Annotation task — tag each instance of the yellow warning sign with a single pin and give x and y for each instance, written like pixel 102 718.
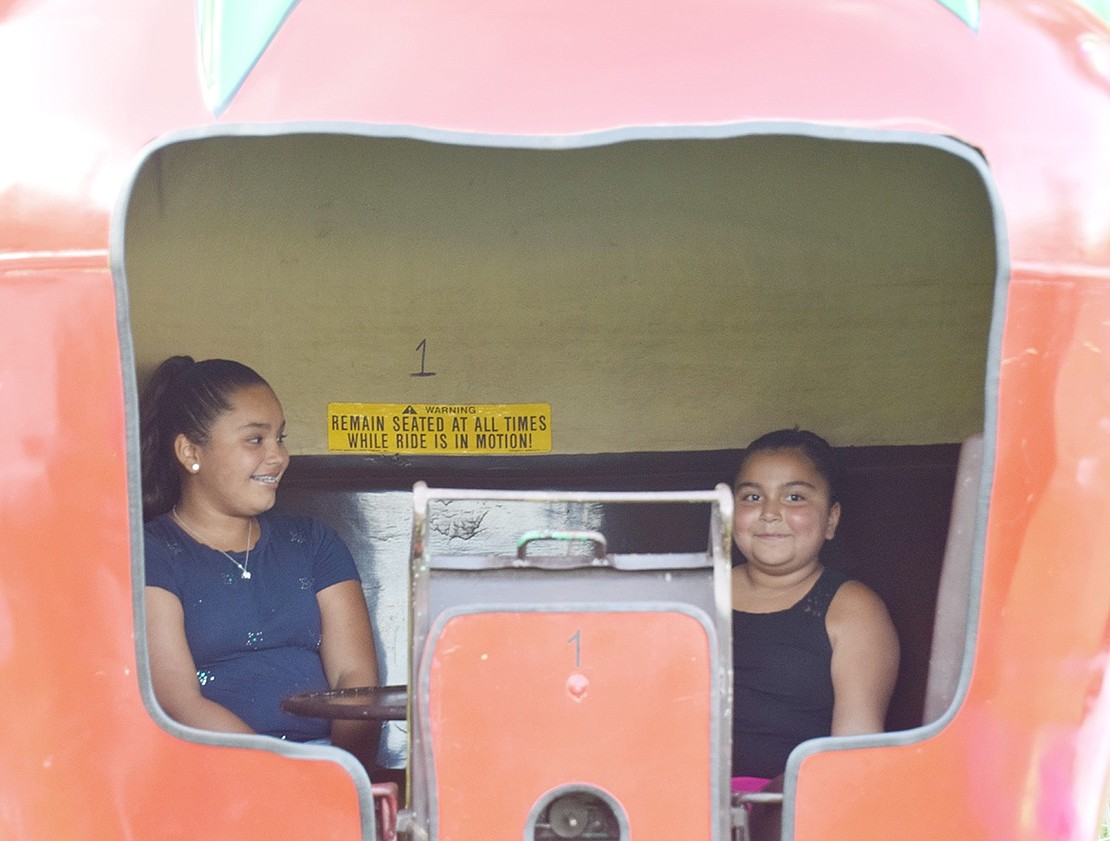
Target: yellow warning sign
pixel 439 429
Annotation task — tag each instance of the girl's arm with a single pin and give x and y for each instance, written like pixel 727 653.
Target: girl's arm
pixel 864 660
pixel 349 658
pixel 173 672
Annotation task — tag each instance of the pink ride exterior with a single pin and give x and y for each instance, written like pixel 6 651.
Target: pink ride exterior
pixel 87 84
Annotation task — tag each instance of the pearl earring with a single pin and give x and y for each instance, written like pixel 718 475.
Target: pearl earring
pixel 194 467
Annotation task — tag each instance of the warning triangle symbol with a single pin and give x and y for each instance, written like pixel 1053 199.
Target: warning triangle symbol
pixel 409 411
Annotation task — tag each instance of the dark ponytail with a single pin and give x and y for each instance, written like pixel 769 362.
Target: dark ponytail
pixel 182 397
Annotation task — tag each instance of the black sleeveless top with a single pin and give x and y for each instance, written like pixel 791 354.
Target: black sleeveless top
pixel 782 680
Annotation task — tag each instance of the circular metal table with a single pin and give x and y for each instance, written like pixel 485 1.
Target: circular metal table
pixel 376 703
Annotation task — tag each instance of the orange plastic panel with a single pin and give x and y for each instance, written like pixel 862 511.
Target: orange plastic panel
pixel 522 703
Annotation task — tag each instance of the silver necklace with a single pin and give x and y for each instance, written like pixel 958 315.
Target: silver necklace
pixel 242 566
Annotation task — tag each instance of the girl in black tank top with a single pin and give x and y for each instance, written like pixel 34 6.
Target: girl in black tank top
pixel 782 683
pixel 814 654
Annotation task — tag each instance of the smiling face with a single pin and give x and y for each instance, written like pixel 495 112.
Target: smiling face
pixel 244 457
pixel 782 512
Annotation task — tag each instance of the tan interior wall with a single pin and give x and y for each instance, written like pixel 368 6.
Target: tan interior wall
pixel 660 295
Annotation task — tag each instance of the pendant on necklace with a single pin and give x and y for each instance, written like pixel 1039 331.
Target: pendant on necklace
pixel 245 574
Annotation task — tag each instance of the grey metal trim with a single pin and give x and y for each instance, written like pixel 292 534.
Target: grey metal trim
pixel 624 562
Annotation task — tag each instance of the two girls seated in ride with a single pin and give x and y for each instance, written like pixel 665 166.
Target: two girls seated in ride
pixel 814 653
pixel 244 606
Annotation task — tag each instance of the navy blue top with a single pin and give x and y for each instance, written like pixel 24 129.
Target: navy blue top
pixel 782 680
pixel 254 641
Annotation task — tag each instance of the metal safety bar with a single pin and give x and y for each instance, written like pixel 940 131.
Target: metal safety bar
pixel 484 581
